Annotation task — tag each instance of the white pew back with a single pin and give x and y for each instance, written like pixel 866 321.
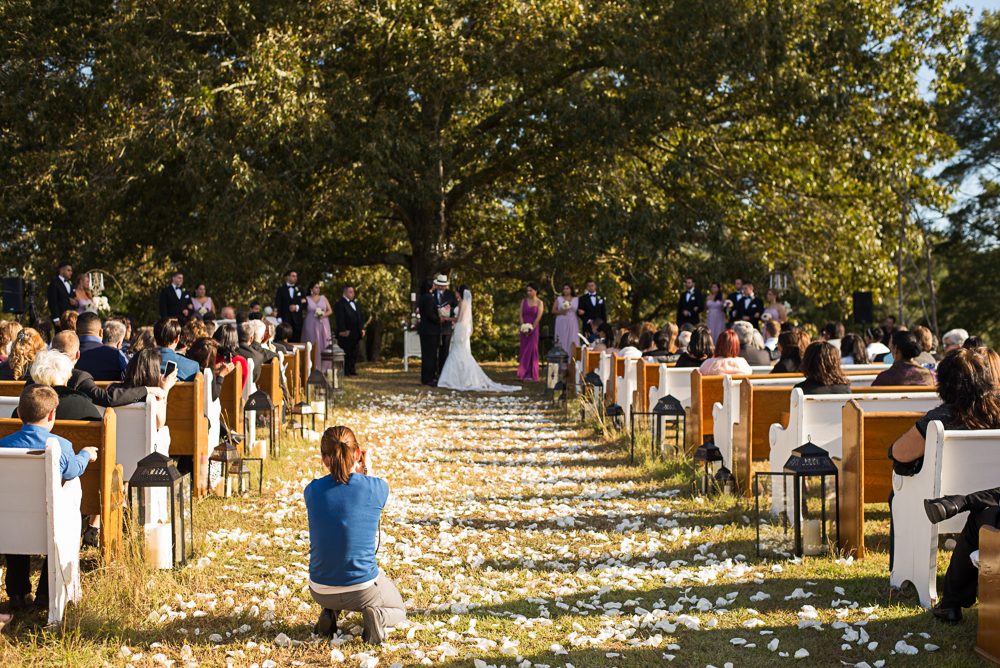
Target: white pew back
pixel 819 418
pixel 955 462
pixel 677 381
pixel 625 387
pixel 41 515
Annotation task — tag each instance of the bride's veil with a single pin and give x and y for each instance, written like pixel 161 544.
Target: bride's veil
pixel 465 313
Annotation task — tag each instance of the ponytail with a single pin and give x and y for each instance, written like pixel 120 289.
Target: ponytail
pixel 341 454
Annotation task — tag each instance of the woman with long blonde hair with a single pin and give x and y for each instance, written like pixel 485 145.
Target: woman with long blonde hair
pixel 26 345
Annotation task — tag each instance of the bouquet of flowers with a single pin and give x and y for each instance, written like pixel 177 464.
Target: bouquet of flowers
pixel 526 327
pixel 319 313
pixel 101 304
pixel 444 310
pixel 202 311
pixel 765 317
pixel 565 305
pixel 728 303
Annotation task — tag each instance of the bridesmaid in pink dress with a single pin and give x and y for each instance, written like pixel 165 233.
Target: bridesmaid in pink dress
pixel 316 325
pixel 531 314
pixel 567 324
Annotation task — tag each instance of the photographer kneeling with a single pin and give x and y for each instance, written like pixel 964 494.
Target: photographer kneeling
pixel 344 513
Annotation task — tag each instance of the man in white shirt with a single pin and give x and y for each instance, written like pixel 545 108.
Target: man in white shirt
pixel 591 307
pixel 60 292
pixel 350 329
pixel 291 304
pixel 175 302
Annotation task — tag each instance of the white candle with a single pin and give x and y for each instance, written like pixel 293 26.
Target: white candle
pixel 158 546
pixel 260 449
pixel 811 544
pixel 413 296
pixel 317 407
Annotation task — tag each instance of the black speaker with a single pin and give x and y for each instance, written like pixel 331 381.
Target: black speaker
pixel 864 312
pixel 13 295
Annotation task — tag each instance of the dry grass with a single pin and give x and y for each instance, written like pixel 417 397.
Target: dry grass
pixel 477 531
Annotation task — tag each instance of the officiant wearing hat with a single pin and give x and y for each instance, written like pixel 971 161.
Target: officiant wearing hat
pixel 437 315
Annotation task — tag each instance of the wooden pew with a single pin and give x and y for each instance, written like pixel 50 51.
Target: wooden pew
pixel 292 375
pixel 231 400
pixel 101 482
pixel 988 637
pixel 573 375
pixel 305 366
pixel 40 514
pixel 647 376
pixel 11 388
pixel 189 428
pixel 819 418
pixel 865 469
pixel 955 462
pixel 270 382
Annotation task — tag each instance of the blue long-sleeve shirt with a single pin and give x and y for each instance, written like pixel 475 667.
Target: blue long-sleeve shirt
pixel 33 437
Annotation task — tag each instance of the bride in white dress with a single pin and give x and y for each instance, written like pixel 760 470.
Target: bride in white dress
pixel 461 371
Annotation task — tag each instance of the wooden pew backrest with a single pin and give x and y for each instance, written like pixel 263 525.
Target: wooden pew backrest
pixel 189 427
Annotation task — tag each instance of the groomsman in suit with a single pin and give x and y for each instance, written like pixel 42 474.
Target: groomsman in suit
pixel 735 297
pixel 175 302
pixel 350 332
pixel 435 329
pixel 591 307
pixel 690 305
pixel 290 304
pixel 749 308
pixel 60 292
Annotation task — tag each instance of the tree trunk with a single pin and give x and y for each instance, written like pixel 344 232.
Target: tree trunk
pixel 373 339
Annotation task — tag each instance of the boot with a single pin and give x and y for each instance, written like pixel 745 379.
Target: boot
pixel 946 507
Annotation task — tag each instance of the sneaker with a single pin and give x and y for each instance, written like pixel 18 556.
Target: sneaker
pixel 373 632
pixel 92 537
pixel 326 625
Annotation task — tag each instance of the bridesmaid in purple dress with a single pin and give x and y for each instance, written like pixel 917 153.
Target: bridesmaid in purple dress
pixel 716 306
pixel 567 324
pixel 531 314
pixel 316 325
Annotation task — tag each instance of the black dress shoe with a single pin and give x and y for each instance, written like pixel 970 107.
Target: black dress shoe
pixel 20 601
pixel 326 625
pixel 947 615
pixel 92 537
pixel 939 510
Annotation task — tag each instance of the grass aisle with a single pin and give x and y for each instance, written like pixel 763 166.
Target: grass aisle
pixel 517 538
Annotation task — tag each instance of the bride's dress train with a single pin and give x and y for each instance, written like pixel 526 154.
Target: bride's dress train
pixel 461 371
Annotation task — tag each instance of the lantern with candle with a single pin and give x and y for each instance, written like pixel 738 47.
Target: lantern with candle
pixel 160 502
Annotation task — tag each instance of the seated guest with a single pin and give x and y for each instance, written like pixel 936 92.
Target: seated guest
pixel 37 408
pixel 114 334
pixel 209 321
pixel 683 339
pixel 772 328
pixel 205 352
pixel 646 344
pixel 242 317
pixel 344 510
pixel 68 344
pixel 67 321
pixel 27 343
pixel 8 332
pixel 748 346
pixel 926 341
pixel 699 348
pixel 227 313
pixel 727 360
pixel 967 384
pixel 101 361
pixel 244 331
pixel 228 341
pixel 167 333
pixel 281 334
pixel 143 339
pixel 144 370
pixel 832 334
pixel 193 329
pixel 54 369
pixel 974 342
pixel 953 339
pixel 45 330
pixel 904 370
pixel 821 367
pixel 606 338
pixel 660 349
pixel 627 345
pixel 791 346
pixel 852 350
pixel 670 330
pixel 591 330
pixel 259 337
pixel 877 351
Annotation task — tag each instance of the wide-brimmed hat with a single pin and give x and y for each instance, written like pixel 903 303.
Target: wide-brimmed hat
pixel 441 280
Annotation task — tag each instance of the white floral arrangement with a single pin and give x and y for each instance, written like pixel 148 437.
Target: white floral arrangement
pixel 526 327
pixel 101 304
pixel 202 311
pixel 444 311
pixel 765 317
pixel 788 308
pixel 728 303
pixel 565 305
pixel 319 312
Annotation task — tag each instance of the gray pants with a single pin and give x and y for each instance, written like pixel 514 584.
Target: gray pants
pixel 381 596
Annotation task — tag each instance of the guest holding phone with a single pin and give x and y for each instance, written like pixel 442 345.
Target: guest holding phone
pixel 345 510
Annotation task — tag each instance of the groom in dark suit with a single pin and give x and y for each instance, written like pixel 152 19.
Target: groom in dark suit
pixel 175 302
pixel 350 319
pixel 290 304
pixel 749 307
pixel 690 305
pixel 591 307
pixel 60 292
pixel 435 328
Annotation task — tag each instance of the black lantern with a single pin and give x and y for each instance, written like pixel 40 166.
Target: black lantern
pixel 333 354
pixel 593 381
pixel 321 391
pixel 160 499
pixel 667 413
pixel 227 456
pixel 559 393
pixel 556 362
pixel 242 475
pixel 709 455
pixel 259 405
pixel 302 409
pixel 616 414
pixel 804 478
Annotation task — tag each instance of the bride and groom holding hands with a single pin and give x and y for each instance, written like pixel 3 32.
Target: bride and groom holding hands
pixel 445 340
